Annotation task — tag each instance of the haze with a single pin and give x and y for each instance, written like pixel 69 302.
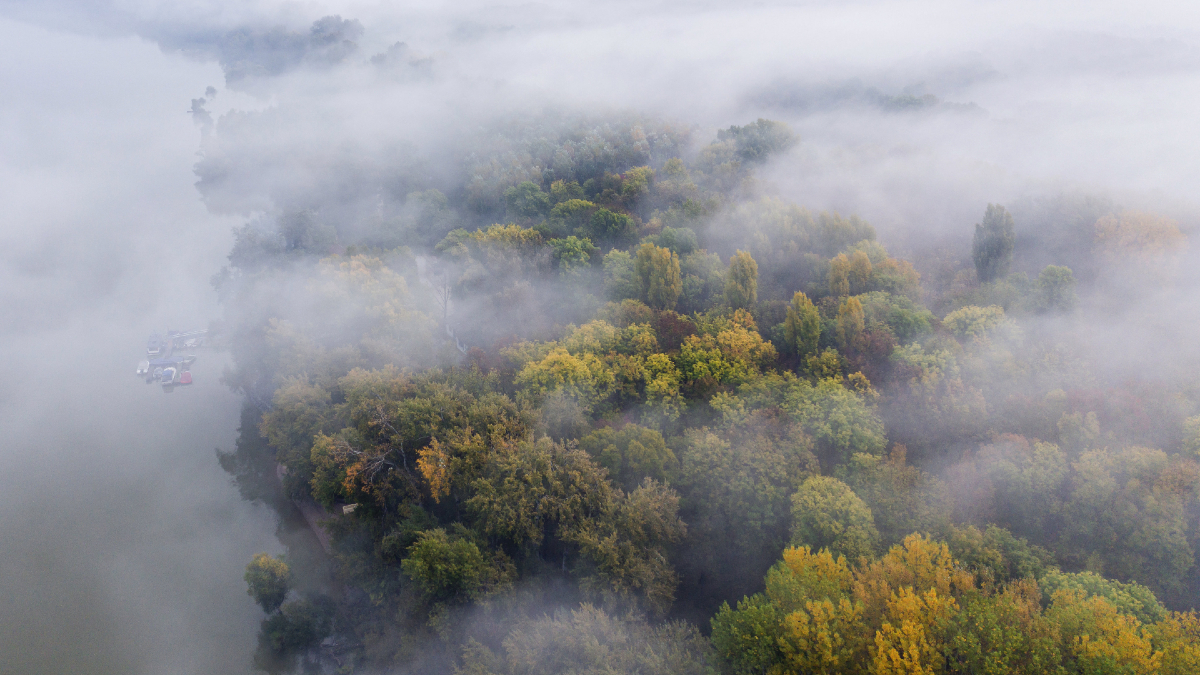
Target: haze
pixel 123 542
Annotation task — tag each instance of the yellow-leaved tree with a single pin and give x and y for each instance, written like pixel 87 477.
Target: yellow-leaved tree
pixel 657 271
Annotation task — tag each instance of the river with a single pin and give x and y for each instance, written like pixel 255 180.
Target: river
pixel 122 539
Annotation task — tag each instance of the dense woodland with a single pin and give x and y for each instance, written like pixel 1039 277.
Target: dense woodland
pixel 604 404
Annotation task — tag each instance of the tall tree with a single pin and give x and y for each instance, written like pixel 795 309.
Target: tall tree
pixel 992 247
pixel 657 271
pixel 802 326
pixel 741 285
pixel 851 322
pixel 620 280
pixel 859 272
pixel 838 278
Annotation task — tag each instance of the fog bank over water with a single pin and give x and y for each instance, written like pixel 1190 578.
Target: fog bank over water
pixel 121 540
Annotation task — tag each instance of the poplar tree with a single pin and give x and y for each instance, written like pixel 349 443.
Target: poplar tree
pixel 851 322
pixel 741 285
pixel 658 274
pixel 859 272
pixel 802 326
pixel 838 278
pixel 992 247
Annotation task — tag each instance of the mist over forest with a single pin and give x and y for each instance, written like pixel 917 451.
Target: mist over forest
pixel 821 337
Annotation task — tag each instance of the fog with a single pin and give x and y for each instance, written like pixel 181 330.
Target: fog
pixel 122 541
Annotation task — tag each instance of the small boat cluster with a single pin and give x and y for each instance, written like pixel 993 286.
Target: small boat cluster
pixel 163 365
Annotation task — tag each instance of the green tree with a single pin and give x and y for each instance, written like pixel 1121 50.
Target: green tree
pixel 572 254
pixel 975 322
pixel 609 226
pixel 584 377
pixel 330 456
pixel 992 246
pixel 449 567
pixel 851 322
pixel 1006 633
pixel 536 488
pixel 741 284
pixel 703 279
pixel 824 365
pixel 802 326
pixel 561 191
pixel 297 414
pixel 631 454
pixel 526 202
pixel 625 550
pixel 1128 511
pixel 569 217
pixel 757 141
pixel 737 486
pixel 730 351
pixel 1131 598
pixel 826 514
pixel 997 555
pixel 267 581
pixel 842 422
pixel 838 277
pixel 904 318
pixel 748 637
pixel 902 498
pixel 859 272
pixel 635 185
pixel 805 621
pixel 657 270
pixel 297 626
pixel 621 280
pixel 303 232
pixel 681 240
pixel 1056 289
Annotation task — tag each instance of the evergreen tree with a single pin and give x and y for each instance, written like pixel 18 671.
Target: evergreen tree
pixel 992 247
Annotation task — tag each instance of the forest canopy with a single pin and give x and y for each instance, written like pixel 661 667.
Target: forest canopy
pixel 605 403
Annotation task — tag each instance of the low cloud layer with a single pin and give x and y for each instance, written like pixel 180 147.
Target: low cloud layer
pixel 123 537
